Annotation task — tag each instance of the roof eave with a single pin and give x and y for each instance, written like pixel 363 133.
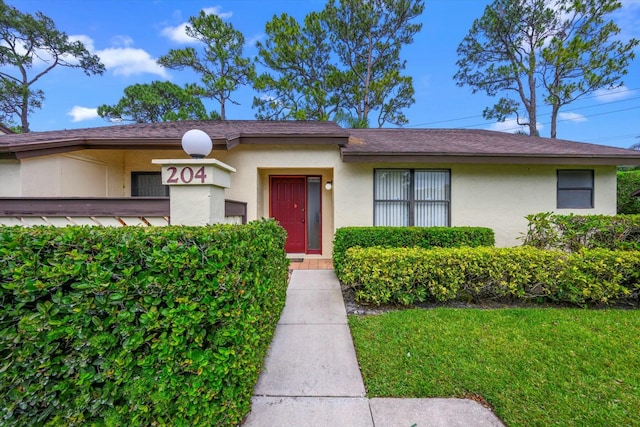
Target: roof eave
pixel 40 148
pixel 362 157
pixel 59 146
pixel 294 139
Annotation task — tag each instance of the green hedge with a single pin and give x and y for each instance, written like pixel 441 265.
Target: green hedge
pixel 575 232
pixel 406 237
pixel 628 182
pixel 411 275
pixel 136 326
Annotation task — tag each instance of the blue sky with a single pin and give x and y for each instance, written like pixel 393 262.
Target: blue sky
pixel 129 35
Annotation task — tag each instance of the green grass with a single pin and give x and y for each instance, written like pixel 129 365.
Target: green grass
pixel 536 367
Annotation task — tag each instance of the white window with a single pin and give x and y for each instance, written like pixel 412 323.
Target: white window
pixel 411 197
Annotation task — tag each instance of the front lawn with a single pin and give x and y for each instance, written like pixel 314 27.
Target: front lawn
pixel 534 366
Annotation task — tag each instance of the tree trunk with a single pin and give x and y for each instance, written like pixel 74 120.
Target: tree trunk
pixel 531 109
pixel 24 113
pixel 554 119
pixel 223 114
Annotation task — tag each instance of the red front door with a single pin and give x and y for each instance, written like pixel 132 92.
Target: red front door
pixel 288 198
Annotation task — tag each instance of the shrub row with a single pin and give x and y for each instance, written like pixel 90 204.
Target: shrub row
pixel 411 275
pixel 406 237
pixel 575 232
pixel 136 326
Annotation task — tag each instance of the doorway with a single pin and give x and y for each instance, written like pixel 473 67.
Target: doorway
pixel 296 203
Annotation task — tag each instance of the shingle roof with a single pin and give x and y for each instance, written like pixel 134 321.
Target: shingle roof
pixel 228 129
pixel 451 144
pixel 168 135
pixel 356 145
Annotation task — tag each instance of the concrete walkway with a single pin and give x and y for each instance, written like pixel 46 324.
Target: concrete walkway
pixel 311 376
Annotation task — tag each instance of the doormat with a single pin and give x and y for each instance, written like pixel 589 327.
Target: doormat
pixel 296 259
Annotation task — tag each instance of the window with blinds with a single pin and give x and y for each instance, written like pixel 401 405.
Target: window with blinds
pixel 411 197
pixel 148 184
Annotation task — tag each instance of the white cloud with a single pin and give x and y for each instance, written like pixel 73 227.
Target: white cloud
pixel 572 117
pixel 129 61
pixel 80 114
pixel 86 41
pixel 42 57
pixel 255 39
pixel 124 41
pixel 178 33
pixel 610 95
pixel 511 125
pixel 122 59
pixel 216 11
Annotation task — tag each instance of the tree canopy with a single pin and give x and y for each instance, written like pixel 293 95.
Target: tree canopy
pixel 539 51
pixel 156 102
pixel 30 47
pixel 301 80
pixel 343 62
pixel 219 63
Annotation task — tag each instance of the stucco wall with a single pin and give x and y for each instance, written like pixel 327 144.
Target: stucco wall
pixel 67 175
pixel 82 174
pixel 495 196
pixel 501 196
pixel 10 179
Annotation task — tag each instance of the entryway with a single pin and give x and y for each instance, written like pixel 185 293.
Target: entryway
pixel 296 203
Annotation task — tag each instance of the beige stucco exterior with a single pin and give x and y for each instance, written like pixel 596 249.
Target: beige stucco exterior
pixel 490 195
pixel 494 196
pixel 10 178
pixel 500 196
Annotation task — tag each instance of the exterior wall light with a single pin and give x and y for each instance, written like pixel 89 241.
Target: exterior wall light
pixel 196 143
pixel 328 185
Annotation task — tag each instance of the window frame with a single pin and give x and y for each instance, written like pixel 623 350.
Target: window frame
pixel 412 202
pixel 560 188
pixel 134 182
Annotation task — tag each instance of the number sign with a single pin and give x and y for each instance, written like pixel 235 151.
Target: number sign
pixel 185 175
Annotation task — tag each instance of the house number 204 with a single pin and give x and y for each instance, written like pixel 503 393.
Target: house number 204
pixel 185 175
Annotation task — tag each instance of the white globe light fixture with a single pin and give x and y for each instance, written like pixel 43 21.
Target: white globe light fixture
pixel 196 143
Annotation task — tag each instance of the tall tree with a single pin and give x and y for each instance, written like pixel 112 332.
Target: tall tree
pixel 298 84
pixel 30 47
pixel 342 64
pixel 584 55
pixel 155 102
pixel 562 48
pixel 367 37
pixel 220 63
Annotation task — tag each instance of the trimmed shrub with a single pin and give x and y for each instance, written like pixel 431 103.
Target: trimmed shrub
pixel 136 326
pixel 628 182
pixel 575 232
pixel 407 276
pixel 406 237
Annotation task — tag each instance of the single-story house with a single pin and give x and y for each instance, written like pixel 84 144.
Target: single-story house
pixel 315 177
